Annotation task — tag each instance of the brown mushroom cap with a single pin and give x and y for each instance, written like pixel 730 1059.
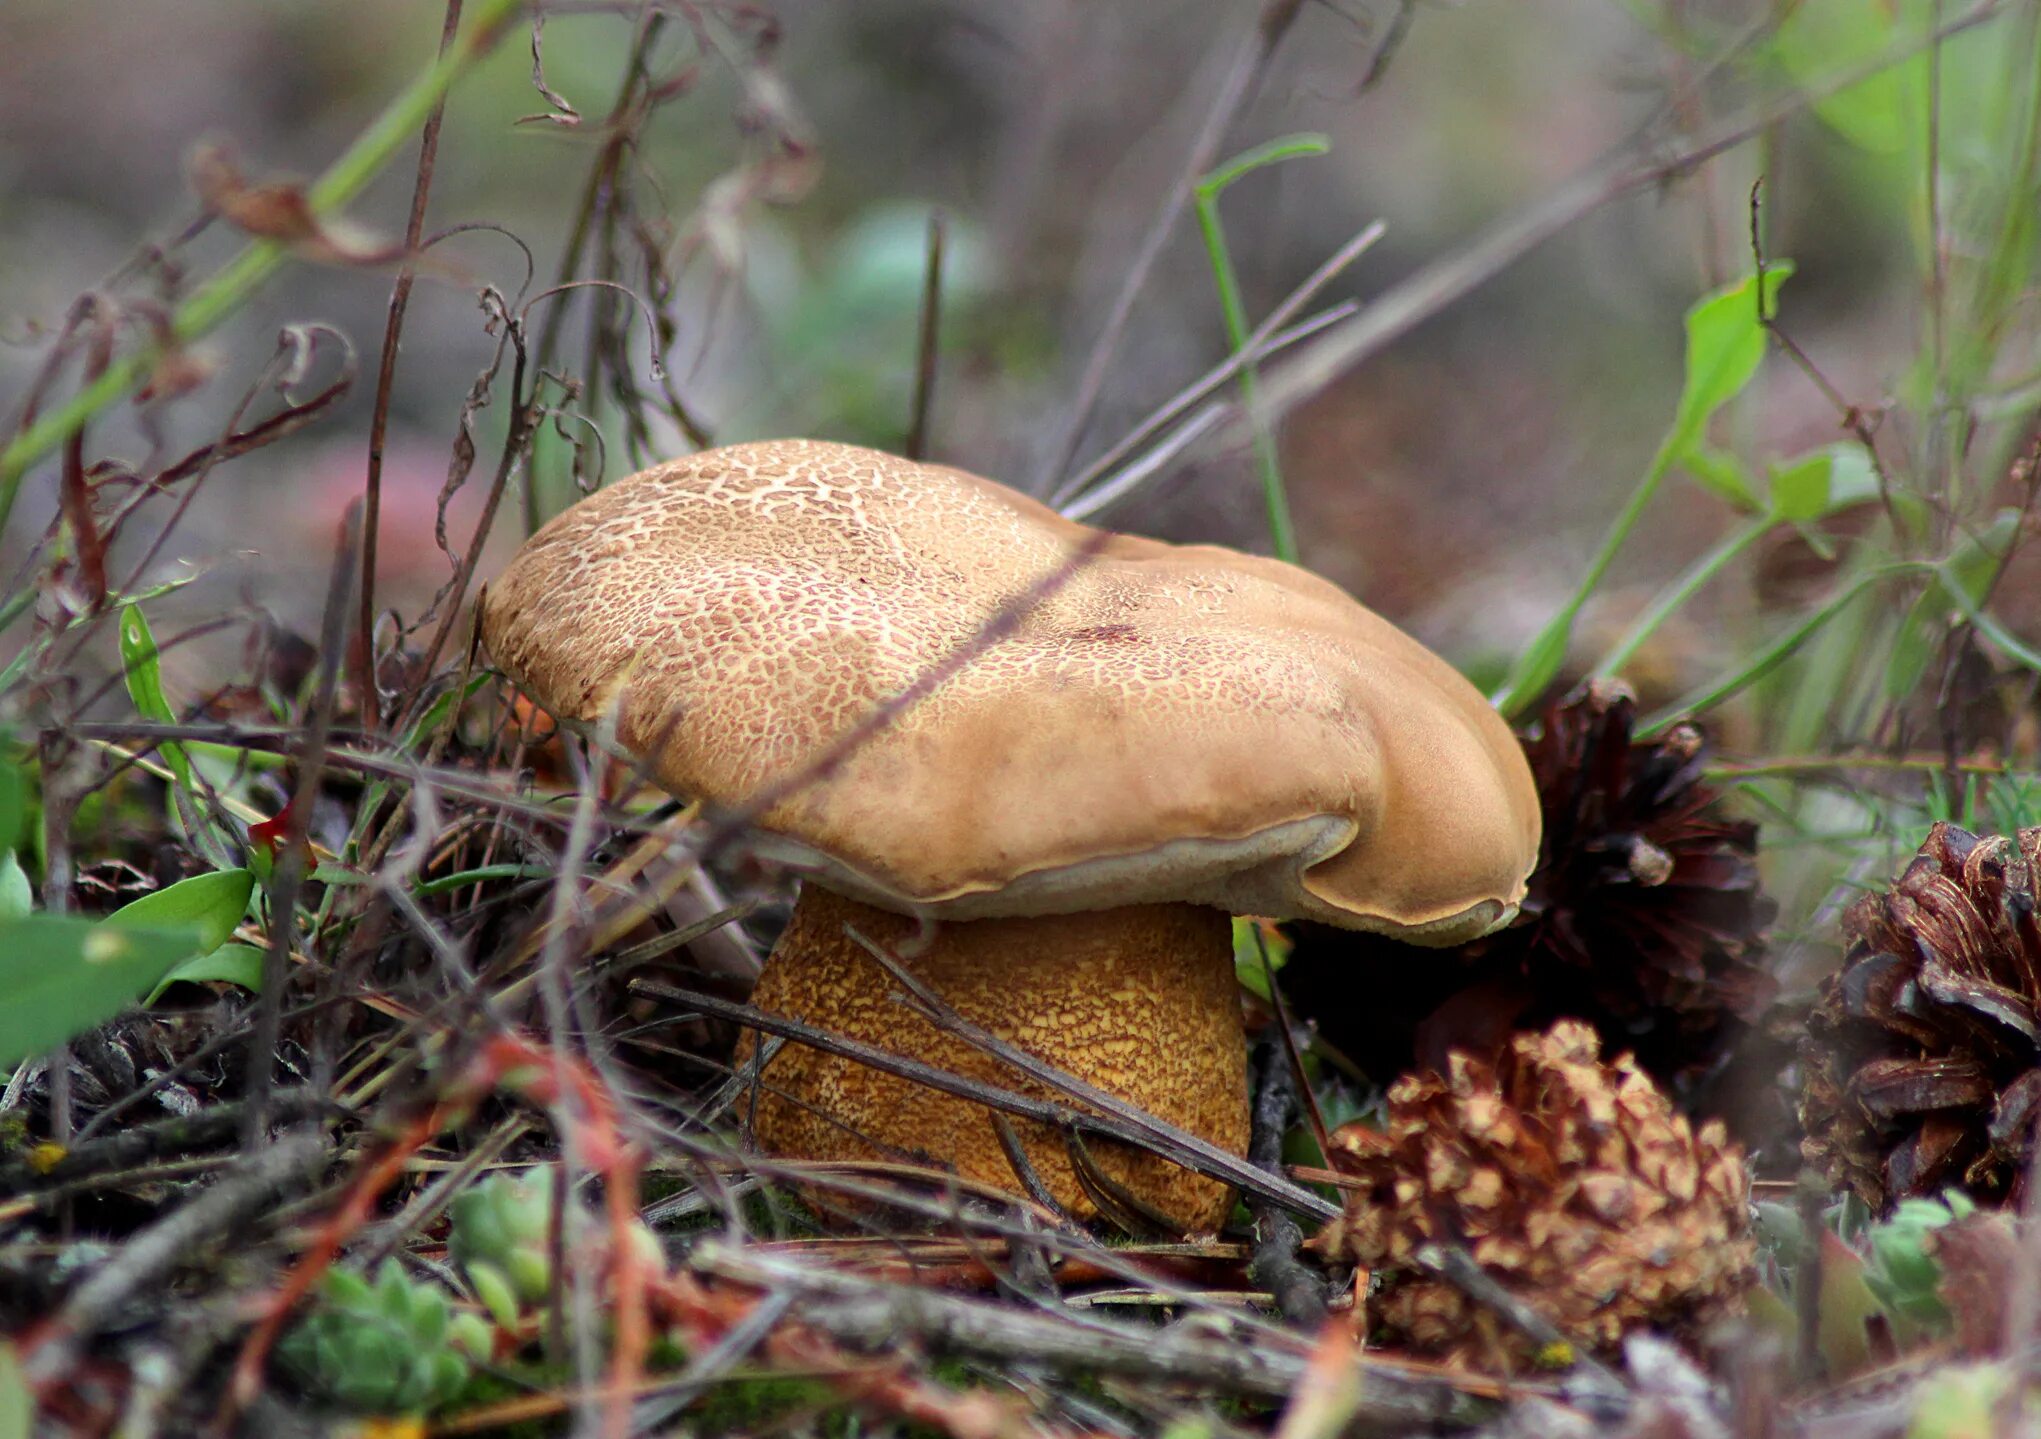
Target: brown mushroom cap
pixel 1175 723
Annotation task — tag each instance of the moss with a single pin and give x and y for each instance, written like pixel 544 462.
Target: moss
pixel 751 1405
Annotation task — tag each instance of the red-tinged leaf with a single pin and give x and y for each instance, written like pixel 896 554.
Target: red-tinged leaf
pixel 74 496
pixel 176 371
pixel 1846 1309
pixel 271 834
pixel 1977 1254
pixel 277 210
pixel 1325 1400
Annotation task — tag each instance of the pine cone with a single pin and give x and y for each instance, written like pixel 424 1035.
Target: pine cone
pixel 1922 1062
pixel 1571 1181
pixel 1642 890
pixel 1643 917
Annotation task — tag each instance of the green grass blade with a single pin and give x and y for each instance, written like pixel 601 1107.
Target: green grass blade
pixel 1233 309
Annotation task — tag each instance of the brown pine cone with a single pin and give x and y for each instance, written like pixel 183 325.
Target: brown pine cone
pixel 1643 889
pixel 1922 1062
pixel 1643 918
pixel 1572 1182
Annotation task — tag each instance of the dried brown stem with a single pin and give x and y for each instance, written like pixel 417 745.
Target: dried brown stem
pixel 175 1134
pixel 1299 1289
pixel 209 1219
pixel 289 856
pixel 1243 74
pixel 862 1311
pixel 386 380
pixel 1452 276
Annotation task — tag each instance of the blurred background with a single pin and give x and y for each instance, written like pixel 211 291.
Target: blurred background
pixel 764 183
pixel 1456 483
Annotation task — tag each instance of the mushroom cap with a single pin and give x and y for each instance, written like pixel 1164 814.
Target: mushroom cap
pixel 1171 723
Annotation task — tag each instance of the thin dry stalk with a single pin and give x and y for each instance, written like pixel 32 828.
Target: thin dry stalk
pixel 386 378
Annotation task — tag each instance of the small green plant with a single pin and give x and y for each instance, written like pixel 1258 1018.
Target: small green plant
pixel 499 1239
pixel 1973 1401
pixel 391 1347
pixel 1900 1271
pixel 500 1236
pixel 1880 1282
pixel 1726 337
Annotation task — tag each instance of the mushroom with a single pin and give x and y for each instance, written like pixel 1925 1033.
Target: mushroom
pixel 1053 836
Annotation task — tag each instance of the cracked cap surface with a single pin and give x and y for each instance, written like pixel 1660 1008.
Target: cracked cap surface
pixel 1173 723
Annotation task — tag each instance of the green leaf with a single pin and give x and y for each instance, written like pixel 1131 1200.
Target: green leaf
pixel 1800 488
pixel 437 712
pixel 1907 660
pixel 393 1293
pixel 12 806
pixel 17 896
pixel 210 905
pixel 1772 1317
pixel 345 1288
pixel 1846 1308
pixel 1818 39
pixel 62 975
pixel 1959 586
pixel 1724 475
pixel 232 759
pixel 1253 939
pixel 1821 482
pixel 1725 345
pixel 17 1405
pixel 494 1289
pixel 240 964
pixel 1852 478
pixel 144 671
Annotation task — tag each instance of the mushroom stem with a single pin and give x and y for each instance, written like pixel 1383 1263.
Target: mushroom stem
pixel 1139 1001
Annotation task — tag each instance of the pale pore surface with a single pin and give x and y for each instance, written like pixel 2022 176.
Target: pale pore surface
pixel 1176 722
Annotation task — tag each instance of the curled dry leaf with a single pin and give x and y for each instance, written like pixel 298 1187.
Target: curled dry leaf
pixel 176 371
pixel 279 210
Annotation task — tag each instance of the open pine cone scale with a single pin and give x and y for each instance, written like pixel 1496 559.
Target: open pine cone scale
pixel 1571 1180
pixel 1924 1052
pixel 1640 816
